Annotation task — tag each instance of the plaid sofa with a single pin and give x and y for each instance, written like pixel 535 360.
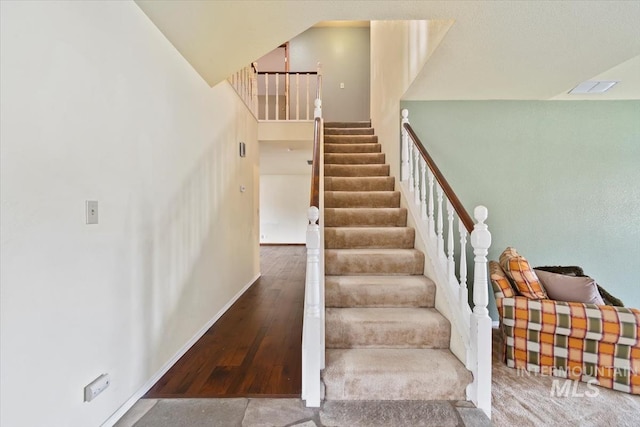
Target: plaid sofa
pixel 572 340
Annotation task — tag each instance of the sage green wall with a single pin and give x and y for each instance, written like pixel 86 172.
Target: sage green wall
pixel 561 179
pixel 344 55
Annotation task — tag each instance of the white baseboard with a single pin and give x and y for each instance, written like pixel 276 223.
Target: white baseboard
pixel 154 379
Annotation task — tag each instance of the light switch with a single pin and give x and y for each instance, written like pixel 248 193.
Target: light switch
pixel 341 85
pixel 92 211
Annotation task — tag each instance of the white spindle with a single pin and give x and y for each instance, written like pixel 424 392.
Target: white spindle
pixel 277 96
pixel 404 174
pixel 254 93
pixel 430 221
pixel 266 96
pixel 441 253
pixel 416 181
pixel 464 292
pixel 286 96
pixel 423 188
pixel 297 96
pixel 451 263
pixel 410 158
pixel 480 320
pixel 307 97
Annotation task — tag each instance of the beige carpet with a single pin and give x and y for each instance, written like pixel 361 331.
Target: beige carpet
pixel 524 401
pixel 385 340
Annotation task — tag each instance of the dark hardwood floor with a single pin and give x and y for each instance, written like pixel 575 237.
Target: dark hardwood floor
pixel 254 349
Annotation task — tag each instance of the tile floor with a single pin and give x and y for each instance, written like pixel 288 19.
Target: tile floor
pixel 243 412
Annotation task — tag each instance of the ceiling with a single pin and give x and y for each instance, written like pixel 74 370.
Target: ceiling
pixel 494 50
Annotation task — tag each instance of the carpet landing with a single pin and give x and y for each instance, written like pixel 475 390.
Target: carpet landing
pixel 385 340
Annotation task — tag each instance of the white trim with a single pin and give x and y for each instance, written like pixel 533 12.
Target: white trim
pixel 495 324
pixel 156 377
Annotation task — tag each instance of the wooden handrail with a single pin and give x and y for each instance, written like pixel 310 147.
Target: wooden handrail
pixel 315 165
pixel 288 72
pixel 451 195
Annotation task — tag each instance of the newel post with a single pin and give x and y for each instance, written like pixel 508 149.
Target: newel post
pixel 480 320
pixel 312 334
pixel 404 173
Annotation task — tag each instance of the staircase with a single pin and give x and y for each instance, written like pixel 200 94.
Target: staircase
pixel 384 338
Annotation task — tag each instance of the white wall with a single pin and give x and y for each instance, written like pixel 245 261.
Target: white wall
pixel 284 201
pixel 344 55
pixel 97 105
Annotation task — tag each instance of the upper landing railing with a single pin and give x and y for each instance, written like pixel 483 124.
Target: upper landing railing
pixel 279 95
pixel 433 200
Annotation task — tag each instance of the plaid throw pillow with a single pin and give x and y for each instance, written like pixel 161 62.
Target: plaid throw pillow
pixel 520 272
pixel 501 286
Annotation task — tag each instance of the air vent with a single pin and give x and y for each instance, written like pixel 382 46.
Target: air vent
pixel 593 86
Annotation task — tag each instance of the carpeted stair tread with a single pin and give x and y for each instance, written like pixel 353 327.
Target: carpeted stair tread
pixel 348 131
pixel 356 170
pixel 354 158
pixel 388 327
pixel 362 199
pixel 352 148
pixel 350 139
pixel 350 183
pixel 365 217
pixel 394 374
pixel 356 124
pixel 369 237
pixel 379 291
pixel 366 262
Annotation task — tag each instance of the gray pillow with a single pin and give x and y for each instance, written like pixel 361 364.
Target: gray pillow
pixel 570 288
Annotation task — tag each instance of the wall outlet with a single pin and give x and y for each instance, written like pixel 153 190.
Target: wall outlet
pixel 97 386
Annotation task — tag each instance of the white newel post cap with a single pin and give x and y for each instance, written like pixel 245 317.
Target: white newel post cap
pixel 317 103
pixel 313 213
pixel 405 113
pixel 480 236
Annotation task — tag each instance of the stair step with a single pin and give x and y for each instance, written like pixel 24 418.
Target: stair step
pixel 368 262
pixel 362 199
pixel 379 291
pixel 354 158
pixel 394 374
pixel 357 124
pixel 365 217
pixel 369 237
pixel 370 183
pixel 348 131
pixel 352 148
pixel 350 139
pixel 356 170
pixel 388 327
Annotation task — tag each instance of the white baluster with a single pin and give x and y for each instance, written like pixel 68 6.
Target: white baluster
pixel 404 174
pixel 451 263
pixel 266 96
pixel 430 213
pixel 411 149
pixel 464 292
pixel 286 96
pixel 480 320
pixel 441 253
pixel 308 101
pixel 277 96
pixel 297 96
pixel 416 180
pixel 423 188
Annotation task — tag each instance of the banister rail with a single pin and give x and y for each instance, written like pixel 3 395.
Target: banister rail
pixel 448 191
pixel 313 341
pixel 433 205
pixel 315 165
